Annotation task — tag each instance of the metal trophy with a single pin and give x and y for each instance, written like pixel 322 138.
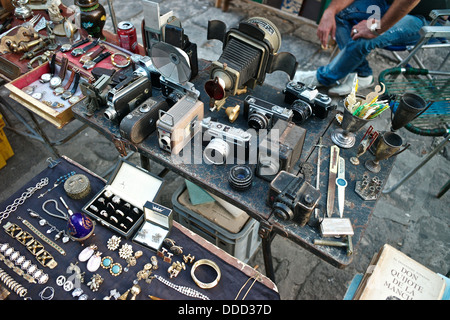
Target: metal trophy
pixel 22 10
pixel 410 107
pixel 389 145
pixel 367 140
pixel 344 137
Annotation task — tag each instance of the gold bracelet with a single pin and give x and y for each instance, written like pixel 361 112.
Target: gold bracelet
pixel 127 58
pixel 212 265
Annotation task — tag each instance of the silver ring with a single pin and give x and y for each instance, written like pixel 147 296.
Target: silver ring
pixel 129 219
pixel 355 31
pixel 114 219
pixel 119 212
pixel 104 213
pixel 116 199
pixel 110 204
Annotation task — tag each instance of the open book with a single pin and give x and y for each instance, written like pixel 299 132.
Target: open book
pixel 392 275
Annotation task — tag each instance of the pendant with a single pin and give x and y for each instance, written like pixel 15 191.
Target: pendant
pixel 94 262
pixel 42 222
pixel 87 253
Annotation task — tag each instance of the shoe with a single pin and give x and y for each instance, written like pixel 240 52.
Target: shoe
pixel 345 88
pixel 308 78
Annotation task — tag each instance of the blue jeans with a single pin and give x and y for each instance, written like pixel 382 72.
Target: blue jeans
pixel 353 53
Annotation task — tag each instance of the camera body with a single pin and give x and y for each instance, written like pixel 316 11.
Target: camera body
pixel 280 151
pixel 180 123
pixel 127 95
pixel 292 198
pixel 261 114
pixel 320 103
pixel 139 123
pixel 223 142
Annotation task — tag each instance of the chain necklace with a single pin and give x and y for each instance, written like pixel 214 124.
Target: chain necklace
pixel 21 200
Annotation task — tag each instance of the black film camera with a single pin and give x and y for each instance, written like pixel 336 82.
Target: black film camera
pixel 292 198
pixel 139 123
pixel 319 103
pixel 261 114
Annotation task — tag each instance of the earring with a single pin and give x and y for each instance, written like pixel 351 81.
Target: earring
pixel 94 262
pixel 115 269
pixel 87 253
pixel 113 243
pixel 95 282
pixel 107 262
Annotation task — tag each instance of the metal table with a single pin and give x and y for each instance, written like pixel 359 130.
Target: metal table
pixel 213 178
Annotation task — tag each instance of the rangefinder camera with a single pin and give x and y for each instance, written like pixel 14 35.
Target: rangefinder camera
pixel 180 123
pixel 224 142
pixel 292 197
pixel 261 114
pixel 320 104
pixel 141 122
pixel 126 96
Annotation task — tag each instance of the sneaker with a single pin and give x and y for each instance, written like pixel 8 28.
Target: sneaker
pixel 347 85
pixel 308 78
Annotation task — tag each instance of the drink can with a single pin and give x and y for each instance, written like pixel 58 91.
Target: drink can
pixel 127 36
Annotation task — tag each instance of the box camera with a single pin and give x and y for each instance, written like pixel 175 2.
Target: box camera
pixel 261 114
pixel 249 52
pixel 126 96
pixel 180 123
pixel 139 123
pixel 224 142
pixel 319 104
pixel 292 198
pixel 280 149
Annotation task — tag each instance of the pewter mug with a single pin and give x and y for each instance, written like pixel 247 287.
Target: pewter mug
pixel 410 107
pixel 388 146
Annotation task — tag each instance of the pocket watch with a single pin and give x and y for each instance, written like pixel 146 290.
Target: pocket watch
pixel 57 80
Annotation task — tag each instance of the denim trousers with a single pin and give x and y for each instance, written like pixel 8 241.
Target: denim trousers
pixel 353 53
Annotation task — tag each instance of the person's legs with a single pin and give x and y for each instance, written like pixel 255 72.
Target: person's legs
pixel 352 57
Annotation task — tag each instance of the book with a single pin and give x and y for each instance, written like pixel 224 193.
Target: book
pixel 392 275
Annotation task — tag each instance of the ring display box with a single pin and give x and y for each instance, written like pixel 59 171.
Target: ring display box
pixel 156 226
pixel 120 204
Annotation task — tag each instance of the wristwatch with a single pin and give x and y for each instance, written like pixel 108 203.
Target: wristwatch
pixel 57 80
pixel 341 183
pixel 67 94
pixel 67 46
pixel 80 51
pixel 91 55
pixel 91 63
pixel 60 90
pixel 47 76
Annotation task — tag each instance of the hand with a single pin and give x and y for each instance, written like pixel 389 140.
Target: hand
pixel 362 31
pixel 327 27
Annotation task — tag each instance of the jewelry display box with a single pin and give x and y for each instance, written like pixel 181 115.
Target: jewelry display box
pixel 156 227
pixel 120 204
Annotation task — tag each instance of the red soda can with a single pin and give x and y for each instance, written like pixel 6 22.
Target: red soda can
pixel 127 36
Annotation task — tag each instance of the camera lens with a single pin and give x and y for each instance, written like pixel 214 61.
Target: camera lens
pixel 282 211
pixel 240 177
pixel 258 121
pixel 216 152
pixel 302 111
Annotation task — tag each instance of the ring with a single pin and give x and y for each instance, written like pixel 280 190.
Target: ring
pixel 212 265
pixel 119 212
pixel 114 219
pixel 355 31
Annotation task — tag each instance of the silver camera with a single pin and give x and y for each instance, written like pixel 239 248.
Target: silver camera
pixel 261 114
pixel 224 142
pixel 177 126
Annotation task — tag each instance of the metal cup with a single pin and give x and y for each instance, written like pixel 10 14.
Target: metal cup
pixel 388 146
pixel 344 137
pixel 410 106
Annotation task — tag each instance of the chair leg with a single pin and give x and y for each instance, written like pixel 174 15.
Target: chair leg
pixel 420 165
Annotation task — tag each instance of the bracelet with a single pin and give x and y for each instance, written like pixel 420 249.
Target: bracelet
pixel 42 236
pixel 208 263
pixel 127 62
pixel 182 289
pixel 34 246
pixel 12 284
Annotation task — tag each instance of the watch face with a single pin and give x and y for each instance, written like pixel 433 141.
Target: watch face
pixel 77 52
pixel 89 64
pixel 28 89
pixel 66 95
pixel 74 99
pixel 37 95
pixel 69 29
pixel 54 82
pixel 65 47
pixel 46 77
pixel 59 91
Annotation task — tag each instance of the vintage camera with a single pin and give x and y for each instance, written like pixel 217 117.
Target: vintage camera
pixel 249 52
pixel 320 103
pixel 139 123
pixel 280 149
pixel 261 114
pixel 292 198
pixel 224 142
pixel 127 95
pixel 180 123
pixel 94 92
